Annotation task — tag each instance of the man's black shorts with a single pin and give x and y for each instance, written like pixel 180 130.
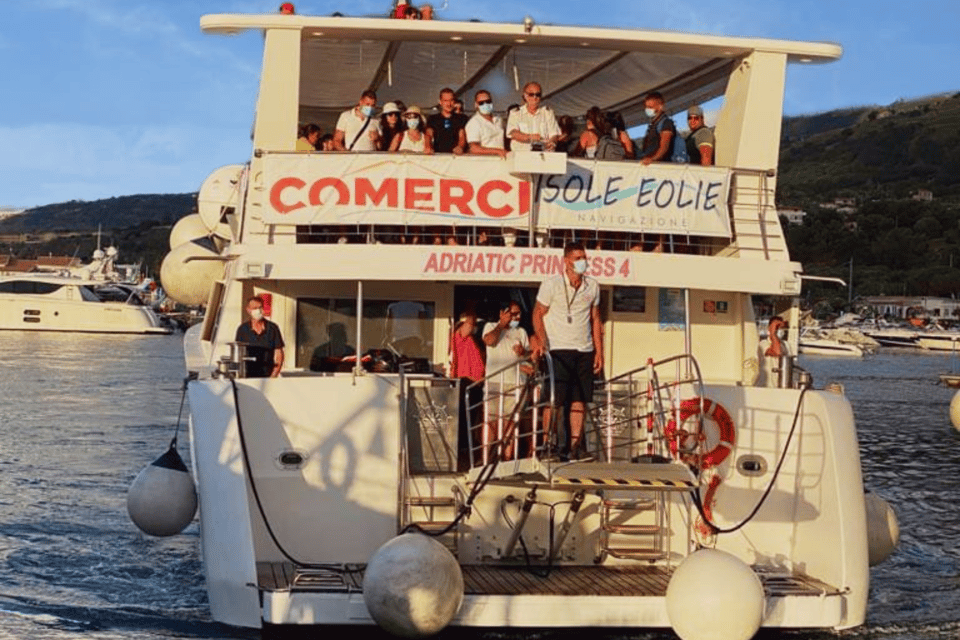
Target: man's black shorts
pixel 573 376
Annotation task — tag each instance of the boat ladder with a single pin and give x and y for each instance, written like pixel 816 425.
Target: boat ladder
pixel 434 515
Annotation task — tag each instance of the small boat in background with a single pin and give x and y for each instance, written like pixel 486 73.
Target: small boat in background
pixel 820 343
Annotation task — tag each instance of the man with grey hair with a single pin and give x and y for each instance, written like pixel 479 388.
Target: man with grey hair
pixel 533 124
pixel 700 141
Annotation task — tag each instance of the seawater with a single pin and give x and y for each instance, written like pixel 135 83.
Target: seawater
pixel 81 415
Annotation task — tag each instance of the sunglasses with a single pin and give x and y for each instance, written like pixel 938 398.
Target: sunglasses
pixel 485 102
pixel 535 95
pixel 693 117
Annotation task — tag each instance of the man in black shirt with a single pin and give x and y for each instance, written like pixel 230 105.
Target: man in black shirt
pixel 447 129
pixel 263 341
pixel 658 141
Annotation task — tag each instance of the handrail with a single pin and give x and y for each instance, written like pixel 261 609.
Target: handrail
pixel 643 400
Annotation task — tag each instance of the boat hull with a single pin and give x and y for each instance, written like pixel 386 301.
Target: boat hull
pixel 343 503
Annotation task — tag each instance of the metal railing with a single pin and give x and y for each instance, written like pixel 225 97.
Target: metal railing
pixel 505 412
pixel 636 414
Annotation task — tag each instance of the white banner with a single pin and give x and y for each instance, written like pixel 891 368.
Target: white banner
pixel 624 196
pixel 394 188
pixel 403 189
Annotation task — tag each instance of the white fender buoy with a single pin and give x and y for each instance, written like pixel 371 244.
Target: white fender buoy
pixel 185 278
pixel 413 586
pixel 955 411
pixel 186 229
pixel 162 499
pixel 220 194
pixel 714 595
pixel 883 530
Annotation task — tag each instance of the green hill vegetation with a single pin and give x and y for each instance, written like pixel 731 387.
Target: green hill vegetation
pixel 879 158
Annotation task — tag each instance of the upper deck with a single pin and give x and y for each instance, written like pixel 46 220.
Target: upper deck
pixel 719 222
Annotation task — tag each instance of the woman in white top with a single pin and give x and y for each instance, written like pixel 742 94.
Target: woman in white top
pixel 412 139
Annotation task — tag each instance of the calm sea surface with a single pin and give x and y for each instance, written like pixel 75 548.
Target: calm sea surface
pixel 81 415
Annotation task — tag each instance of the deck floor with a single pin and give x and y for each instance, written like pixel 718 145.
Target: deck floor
pixel 640 580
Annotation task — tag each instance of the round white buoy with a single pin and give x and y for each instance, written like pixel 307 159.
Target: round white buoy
pixel 413 586
pixel 186 229
pixel 883 531
pixel 714 595
pixel 955 411
pixel 187 279
pixel 162 499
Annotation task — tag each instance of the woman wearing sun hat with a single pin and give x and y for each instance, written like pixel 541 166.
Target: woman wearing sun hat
pixel 390 124
pixel 413 139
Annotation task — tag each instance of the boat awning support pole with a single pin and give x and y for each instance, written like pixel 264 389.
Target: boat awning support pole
pixel 687 337
pixel 359 351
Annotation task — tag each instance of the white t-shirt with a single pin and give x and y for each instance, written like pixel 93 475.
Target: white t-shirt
pixel 568 318
pixel 484 132
pixel 502 354
pixel 350 124
pixel 542 122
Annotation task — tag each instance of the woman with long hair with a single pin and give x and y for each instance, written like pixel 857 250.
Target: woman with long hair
pixel 390 124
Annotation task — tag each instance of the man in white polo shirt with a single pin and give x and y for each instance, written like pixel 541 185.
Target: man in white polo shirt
pixel 485 129
pixel 566 318
pixel 357 129
pixel 532 123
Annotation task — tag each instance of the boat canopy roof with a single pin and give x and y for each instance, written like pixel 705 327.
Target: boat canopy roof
pixel 577 67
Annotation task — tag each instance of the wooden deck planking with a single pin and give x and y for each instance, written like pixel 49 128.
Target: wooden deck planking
pixel 636 581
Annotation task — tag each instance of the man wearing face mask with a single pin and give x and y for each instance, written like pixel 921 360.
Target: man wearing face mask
pixel 507 342
pixel 485 129
pixel 658 141
pixel 566 318
pixel 263 341
pixel 357 129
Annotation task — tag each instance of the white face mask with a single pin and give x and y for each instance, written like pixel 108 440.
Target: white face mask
pixel 514 324
pixel 580 266
pixel 366 110
pixel 413 123
pixel 650 112
pixel 256 314
pixel 486 109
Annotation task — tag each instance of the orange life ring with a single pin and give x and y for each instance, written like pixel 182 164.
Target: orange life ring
pixel 713 410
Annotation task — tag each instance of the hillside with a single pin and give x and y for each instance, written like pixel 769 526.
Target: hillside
pixel 872 152
pixel 121 212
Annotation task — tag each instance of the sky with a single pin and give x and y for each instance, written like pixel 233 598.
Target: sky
pixel 105 98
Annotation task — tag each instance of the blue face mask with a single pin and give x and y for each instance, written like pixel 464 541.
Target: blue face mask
pixel 580 266
pixel 366 110
pixel 514 324
pixel 485 109
pixel 650 112
pixel 413 123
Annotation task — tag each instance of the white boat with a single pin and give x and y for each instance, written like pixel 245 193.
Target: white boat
pixel 303 479
pixel 936 339
pixel 814 342
pixel 36 302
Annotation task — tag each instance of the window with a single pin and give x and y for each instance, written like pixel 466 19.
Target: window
pixel 327 329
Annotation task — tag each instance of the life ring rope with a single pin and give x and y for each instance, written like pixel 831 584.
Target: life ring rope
pixel 705 407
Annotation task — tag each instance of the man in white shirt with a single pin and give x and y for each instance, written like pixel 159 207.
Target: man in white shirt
pixel 506 343
pixel 357 129
pixel 485 129
pixel 532 122
pixel 567 318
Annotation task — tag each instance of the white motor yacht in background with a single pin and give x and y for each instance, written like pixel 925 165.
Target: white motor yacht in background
pixel 701 445
pixel 37 302
pixel 820 343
